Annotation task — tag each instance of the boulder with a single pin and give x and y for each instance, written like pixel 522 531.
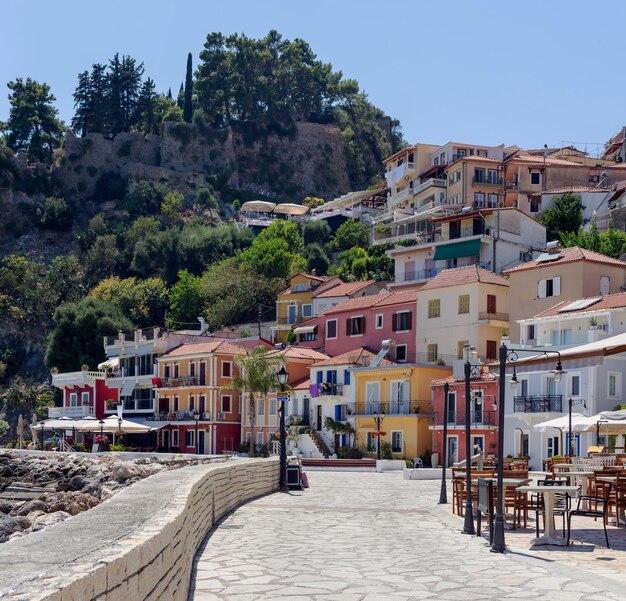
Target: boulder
pixel 77 483
pixel 50 519
pixel 29 506
pixel 16 535
pixel 69 502
pixel 94 489
pixel 5 507
pixel 8 525
pixel 125 471
pixel 23 521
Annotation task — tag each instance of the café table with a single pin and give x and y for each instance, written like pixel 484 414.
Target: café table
pixel 550 537
pixel 508 483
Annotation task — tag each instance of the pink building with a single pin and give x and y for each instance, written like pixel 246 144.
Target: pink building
pixel 365 322
pixel 483 414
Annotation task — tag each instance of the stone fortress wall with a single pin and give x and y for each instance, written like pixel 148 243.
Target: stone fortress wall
pixel 138 545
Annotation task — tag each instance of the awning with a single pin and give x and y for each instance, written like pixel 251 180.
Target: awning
pixel 127 389
pixel 288 208
pixel 467 248
pixel 260 206
pixel 304 329
pixel 109 363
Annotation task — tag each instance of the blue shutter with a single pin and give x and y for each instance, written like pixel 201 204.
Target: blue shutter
pixel 338 412
pixel 346 377
pixel 331 376
pixel 320 376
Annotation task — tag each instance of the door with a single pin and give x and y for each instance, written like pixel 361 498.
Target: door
pixel 166 439
pixel 306 410
pixel 318 419
pixel 202 378
pixel 201 442
pixel 292 314
pixel 491 303
pixel 477 406
pixel 478 442
pixel 453 450
pixel 331 380
pixel 451 407
pixel 492 349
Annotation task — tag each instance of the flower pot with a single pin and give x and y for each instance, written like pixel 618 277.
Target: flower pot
pixel 434 460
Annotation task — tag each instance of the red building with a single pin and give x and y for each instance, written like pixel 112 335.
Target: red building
pixel 483 414
pixel 85 393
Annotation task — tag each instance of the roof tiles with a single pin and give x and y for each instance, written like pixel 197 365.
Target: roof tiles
pixel 609 301
pixel 461 276
pixel 213 346
pixel 360 356
pixel 570 255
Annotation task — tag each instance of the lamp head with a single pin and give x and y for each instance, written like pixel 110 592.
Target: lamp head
pixel 282 375
pixel 196 415
pixel 514 382
pixel 558 372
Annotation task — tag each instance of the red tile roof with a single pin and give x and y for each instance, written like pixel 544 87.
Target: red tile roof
pixel 328 284
pixel 213 346
pixel 461 276
pixel 570 255
pixel 609 301
pixel 533 161
pixel 575 189
pixel 342 289
pixel 296 352
pixel 354 357
pixel 375 300
pixel 485 376
pixel 303 384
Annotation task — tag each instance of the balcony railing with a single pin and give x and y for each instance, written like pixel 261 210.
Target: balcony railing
pixel 538 403
pixel 179 382
pixel 131 372
pixel 291 320
pixel 81 411
pixel 422 274
pixel 423 408
pixel 493 316
pixel 477 418
pixel 330 388
pixel 439 183
pixel 487 181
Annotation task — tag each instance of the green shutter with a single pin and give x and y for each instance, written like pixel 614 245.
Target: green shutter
pixel 467 248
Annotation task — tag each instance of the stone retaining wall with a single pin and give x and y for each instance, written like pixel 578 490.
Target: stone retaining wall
pixel 138 545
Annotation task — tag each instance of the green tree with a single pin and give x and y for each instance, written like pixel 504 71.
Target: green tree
pixel 172 204
pixel 255 380
pixel 24 398
pixel 186 298
pixel 103 258
pixel 316 232
pixel 78 332
pixel 565 214
pixel 123 91
pixel 33 126
pixel 349 234
pixel 56 214
pixel 205 199
pixel 317 259
pixel 188 103
pixel 611 243
pixel 143 301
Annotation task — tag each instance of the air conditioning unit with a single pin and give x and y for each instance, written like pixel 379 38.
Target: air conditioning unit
pixel 206 415
pixel 221 415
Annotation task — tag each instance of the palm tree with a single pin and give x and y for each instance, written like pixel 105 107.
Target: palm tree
pixel 255 380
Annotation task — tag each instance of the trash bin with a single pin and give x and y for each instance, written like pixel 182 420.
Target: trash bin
pixel 294 477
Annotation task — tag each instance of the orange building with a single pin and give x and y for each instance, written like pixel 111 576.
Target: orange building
pixel 193 380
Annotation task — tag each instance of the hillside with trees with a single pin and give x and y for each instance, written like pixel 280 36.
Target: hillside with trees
pixel 123 217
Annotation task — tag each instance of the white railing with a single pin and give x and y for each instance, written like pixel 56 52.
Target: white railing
pixel 82 411
pixel 439 183
pixel 71 378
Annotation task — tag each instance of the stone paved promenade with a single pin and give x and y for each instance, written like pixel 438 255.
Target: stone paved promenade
pixel 376 537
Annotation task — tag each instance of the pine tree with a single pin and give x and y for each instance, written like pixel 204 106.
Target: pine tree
pixel 188 103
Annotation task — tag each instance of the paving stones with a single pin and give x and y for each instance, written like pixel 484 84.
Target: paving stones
pixel 377 537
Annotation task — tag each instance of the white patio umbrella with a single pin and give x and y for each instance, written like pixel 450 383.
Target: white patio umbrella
pixel 259 206
pixel 111 424
pixel 580 423
pixel 288 208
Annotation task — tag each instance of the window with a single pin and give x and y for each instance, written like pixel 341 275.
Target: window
pixel 455 177
pixel 273 406
pixel 479 199
pixel 396 441
pixel 492 177
pixel 524 386
pixel 401 322
pixel 550 386
pixel 227 369
pixel 175 404
pixel 535 207
pixel 615 385
pixel 73 399
pixel 492 201
pixel 331 329
pixel 84 398
pixel 479 176
pixel 175 438
pixel 176 371
pixel 464 303
pixel 530 332
pixel 434 308
pixel 492 349
pixel 307 310
pixel 192 402
pixel 369 441
pixel 166 372
pixel 299 287
pixel 259 437
pixel 260 408
pixel 379 321
pixel 491 304
pixel 431 352
pixel 553 446
pixel 355 326
pixel 372 392
pixel 401 353
pixel 202 404
pixel 478 442
pixel 189 438
pixel 574 385
pixel 548 288
pixel 226 404
pixel 535 178
pixel 605 284
pixel 292 314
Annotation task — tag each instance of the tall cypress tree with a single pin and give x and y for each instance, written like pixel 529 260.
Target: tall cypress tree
pixel 180 99
pixel 188 106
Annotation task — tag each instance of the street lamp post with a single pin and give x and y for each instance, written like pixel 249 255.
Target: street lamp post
pixel 471 371
pixel 569 436
pixel 101 422
pixel 443 495
pixel 282 377
pixel 196 416
pixel 42 427
pixel 379 417
pixel 498 545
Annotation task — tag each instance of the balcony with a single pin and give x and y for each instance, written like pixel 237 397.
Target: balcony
pixel 487 181
pixel 183 416
pixel 178 382
pixel 549 403
pixel 72 412
pixel 477 418
pixel 132 338
pixel 392 408
pixel 489 316
pixel 429 183
pixel 416 276
pixel 77 378
pixel 331 389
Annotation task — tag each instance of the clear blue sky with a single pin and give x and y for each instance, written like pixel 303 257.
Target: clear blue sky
pixel 481 71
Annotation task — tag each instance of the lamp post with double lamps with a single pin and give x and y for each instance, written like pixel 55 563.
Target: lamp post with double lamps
pixel 571 402
pixel 511 357
pixel 282 377
pixel 196 416
pixel 379 416
pixel 471 371
pixel 443 495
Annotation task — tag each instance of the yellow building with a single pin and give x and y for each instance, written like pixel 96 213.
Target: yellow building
pixel 403 393
pixel 295 303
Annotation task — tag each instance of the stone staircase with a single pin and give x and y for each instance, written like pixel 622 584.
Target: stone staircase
pixel 320 443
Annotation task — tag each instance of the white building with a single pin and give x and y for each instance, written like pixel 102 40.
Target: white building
pixel 594 384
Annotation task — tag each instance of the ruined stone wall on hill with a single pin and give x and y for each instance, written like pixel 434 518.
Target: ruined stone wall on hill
pixel 188 156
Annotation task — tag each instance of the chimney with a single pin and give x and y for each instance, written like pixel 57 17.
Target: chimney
pixel 313 272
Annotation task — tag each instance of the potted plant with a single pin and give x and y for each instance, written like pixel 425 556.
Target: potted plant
pixel 84 367
pixel 593 323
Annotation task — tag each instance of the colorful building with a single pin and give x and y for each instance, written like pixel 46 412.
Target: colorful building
pixel 483 413
pixel 403 393
pixel 193 380
pixel 85 393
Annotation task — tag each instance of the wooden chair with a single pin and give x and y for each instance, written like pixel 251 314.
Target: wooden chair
pixel 591 512
pixel 617 499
